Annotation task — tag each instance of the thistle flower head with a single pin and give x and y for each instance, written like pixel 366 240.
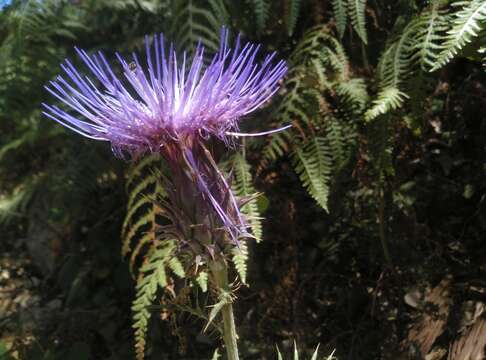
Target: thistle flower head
pixel 168 107
pixel 164 99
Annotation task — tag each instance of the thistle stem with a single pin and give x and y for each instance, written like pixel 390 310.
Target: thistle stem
pixel 219 270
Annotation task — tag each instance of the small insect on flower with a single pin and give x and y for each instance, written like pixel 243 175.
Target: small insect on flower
pixel 132 66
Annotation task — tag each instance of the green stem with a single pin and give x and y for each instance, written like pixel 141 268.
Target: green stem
pixel 381 220
pixel 220 274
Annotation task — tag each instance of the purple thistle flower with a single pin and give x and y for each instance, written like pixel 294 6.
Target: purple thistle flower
pixel 167 102
pixel 170 108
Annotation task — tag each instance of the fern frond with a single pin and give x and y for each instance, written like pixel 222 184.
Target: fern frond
pixel 139 169
pixel 242 185
pixel 145 240
pixel 240 259
pixel 243 188
pixel 261 9
pixel 319 47
pixel 340 14
pixel 277 146
pixel 313 163
pixel 192 23
pixel 29 51
pixel 296 104
pixel 319 65
pixel 153 276
pixel 467 24
pixel 353 94
pixel 394 68
pixel 336 140
pixel 429 37
pixel 293 12
pixel 357 14
pixel 388 99
pixel 143 187
pixel 319 58
pixel 202 280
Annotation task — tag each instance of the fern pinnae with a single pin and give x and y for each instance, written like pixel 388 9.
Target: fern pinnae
pixel 313 163
pixel 388 99
pixel 134 229
pixel 466 25
pixel 133 207
pixel 202 279
pixel 192 23
pixel 353 94
pixel 240 259
pixel 243 186
pixel 177 268
pixel 340 14
pixel 153 276
pixel 261 9
pixel 336 140
pixel 138 169
pixel 430 36
pixel 357 11
pixel 393 69
pixel 292 15
pixel 276 147
pixel 146 239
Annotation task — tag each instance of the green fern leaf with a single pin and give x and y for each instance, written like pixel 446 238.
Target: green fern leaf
pixel 353 94
pixel 146 240
pixel 277 146
pixel 357 14
pixel 433 23
pixel 202 280
pixel 313 163
pixel 340 14
pixel 153 275
pixel 336 140
pixel 292 15
pixel 240 259
pixel 388 99
pixel 466 25
pixel 192 23
pixel 394 68
pixel 261 9
pixel 243 187
pixel 138 228
pixel 177 268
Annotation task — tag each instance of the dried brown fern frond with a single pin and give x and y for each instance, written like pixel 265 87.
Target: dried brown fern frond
pixel 471 345
pixel 432 323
